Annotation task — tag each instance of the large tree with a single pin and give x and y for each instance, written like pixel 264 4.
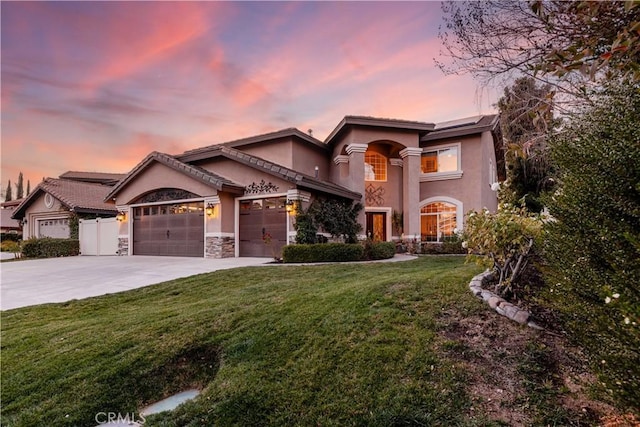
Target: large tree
pixel 20 187
pixel 8 196
pixel 593 243
pixel 526 116
pixel 546 40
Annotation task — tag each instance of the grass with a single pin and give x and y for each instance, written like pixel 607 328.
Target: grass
pixel 358 344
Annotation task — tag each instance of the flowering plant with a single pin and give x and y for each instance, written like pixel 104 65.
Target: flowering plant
pixel 266 238
pixel 505 238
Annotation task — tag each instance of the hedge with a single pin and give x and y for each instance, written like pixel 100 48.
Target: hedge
pixel 13 236
pixel 338 252
pixel 454 247
pixel 379 250
pixel 50 248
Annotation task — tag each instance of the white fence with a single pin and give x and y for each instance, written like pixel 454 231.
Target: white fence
pixel 98 236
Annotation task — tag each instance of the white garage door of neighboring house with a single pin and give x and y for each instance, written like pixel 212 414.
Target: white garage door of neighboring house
pixel 98 236
pixel 56 228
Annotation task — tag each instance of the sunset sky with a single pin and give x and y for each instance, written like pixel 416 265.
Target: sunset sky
pixel 96 86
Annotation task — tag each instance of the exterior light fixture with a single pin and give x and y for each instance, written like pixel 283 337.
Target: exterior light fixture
pixel 211 209
pixel 291 207
pixel 122 216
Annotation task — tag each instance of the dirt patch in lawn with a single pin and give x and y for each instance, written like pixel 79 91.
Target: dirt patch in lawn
pixel 519 376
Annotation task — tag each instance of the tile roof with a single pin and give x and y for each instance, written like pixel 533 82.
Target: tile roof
pixel 6 222
pixel 203 152
pixel 301 180
pixel 195 172
pixel 378 122
pixel 77 196
pixel 97 177
pixel 459 128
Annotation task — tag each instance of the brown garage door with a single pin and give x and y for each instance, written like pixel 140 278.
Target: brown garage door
pixel 263 227
pixel 169 230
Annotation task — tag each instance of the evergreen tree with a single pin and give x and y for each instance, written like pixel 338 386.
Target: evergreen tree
pixel 28 188
pixel 20 187
pixel 8 196
pixel 593 242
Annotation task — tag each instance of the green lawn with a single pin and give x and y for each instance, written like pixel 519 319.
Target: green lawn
pixel 358 344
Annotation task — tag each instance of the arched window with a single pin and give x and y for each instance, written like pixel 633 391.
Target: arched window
pixel 375 167
pixel 438 220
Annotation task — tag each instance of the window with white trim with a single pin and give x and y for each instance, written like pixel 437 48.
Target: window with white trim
pixel 438 221
pixel 375 167
pixel 441 162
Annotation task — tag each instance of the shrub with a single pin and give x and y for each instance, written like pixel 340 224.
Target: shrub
pixel 337 217
pixel 306 229
pixel 50 248
pixel 593 246
pixel 10 246
pixel 329 252
pixel 379 250
pixel 12 236
pixel 339 252
pixel 447 247
pixel 506 239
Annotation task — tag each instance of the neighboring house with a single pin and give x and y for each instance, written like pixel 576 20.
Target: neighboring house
pixel 48 210
pixel 8 224
pixel 233 199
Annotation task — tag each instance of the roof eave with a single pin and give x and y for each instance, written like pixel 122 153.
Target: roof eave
pixel 377 122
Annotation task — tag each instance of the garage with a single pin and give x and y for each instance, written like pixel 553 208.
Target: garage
pixel 56 228
pixel 263 227
pixel 169 230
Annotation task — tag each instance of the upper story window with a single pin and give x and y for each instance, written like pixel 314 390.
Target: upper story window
pixel 442 162
pixel 375 167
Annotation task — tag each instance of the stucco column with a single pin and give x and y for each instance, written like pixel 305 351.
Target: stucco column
pixel 411 191
pixel 356 176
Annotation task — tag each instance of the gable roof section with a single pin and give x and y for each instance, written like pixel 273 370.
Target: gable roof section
pixel 204 152
pixel 96 177
pixel 195 172
pixel 6 221
pixel 77 196
pixel 348 121
pixel 463 127
pixel 299 179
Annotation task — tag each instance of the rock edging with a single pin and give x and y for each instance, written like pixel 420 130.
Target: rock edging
pixel 499 304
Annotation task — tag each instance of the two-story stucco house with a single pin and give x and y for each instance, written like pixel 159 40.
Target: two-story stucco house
pixel 222 200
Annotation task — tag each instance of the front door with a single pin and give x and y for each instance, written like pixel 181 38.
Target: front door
pixel 377 226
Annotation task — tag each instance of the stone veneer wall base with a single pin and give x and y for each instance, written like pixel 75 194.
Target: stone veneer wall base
pixel 123 246
pixel 220 247
pixel 499 304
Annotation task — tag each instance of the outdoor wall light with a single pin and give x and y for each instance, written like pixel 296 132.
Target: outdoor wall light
pixel 211 209
pixel 290 207
pixel 121 216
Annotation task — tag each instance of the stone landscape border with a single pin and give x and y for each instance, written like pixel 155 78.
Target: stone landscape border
pixel 499 304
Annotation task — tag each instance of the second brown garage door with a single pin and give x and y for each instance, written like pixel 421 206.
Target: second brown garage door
pixel 169 230
pixel 263 227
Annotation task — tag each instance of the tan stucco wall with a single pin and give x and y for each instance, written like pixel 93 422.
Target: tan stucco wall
pixel 306 158
pixel 37 211
pixel 157 176
pixel 489 198
pixel 244 175
pixel 387 142
pixel 473 188
pixel 227 202
pixel 276 151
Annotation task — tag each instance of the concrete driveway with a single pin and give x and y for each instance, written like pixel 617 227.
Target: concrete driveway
pixel 31 282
